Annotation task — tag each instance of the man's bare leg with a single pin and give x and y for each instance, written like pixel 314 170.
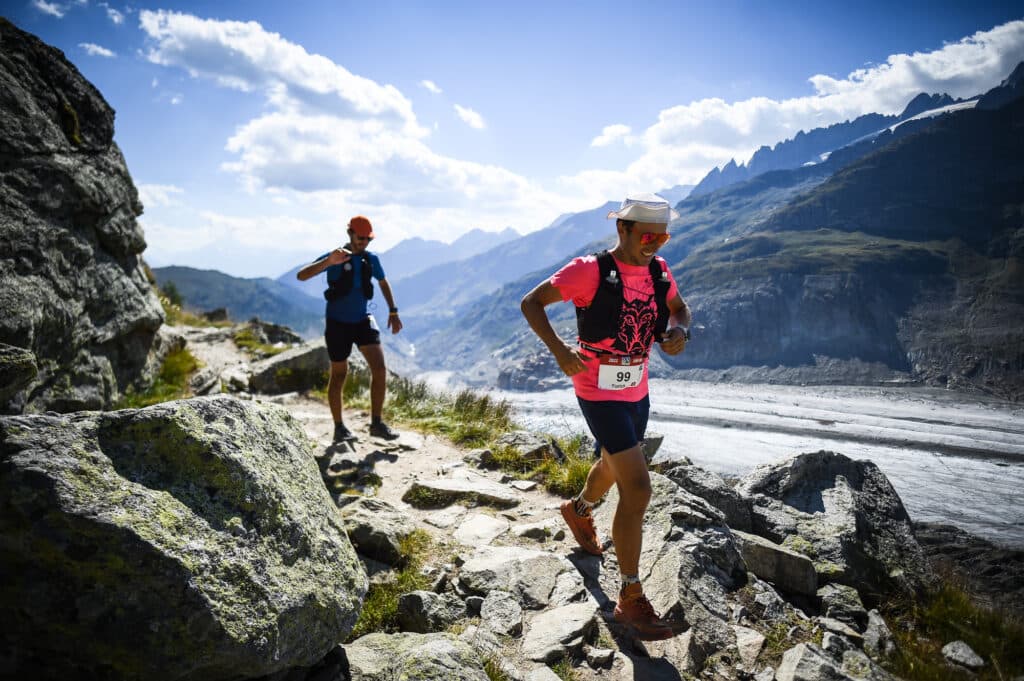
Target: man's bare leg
pixel 335 387
pixel 374 355
pixel 629 469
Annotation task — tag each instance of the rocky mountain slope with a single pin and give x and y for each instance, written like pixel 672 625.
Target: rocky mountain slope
pixel 226 558
pixel 901 250
pixel 265 298
pixel 73 292
pixel 815 145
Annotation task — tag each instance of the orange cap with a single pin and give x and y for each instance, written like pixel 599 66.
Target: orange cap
pixel 361 226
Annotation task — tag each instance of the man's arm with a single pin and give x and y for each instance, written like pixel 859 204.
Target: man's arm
pixel 678 317
pixel 394 323
pixel 335 257
pixel 569 359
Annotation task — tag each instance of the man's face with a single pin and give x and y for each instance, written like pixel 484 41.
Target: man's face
pixel 358 243
pixel 644 239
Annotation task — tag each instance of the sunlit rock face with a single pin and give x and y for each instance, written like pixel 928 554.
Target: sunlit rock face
pixel 73 290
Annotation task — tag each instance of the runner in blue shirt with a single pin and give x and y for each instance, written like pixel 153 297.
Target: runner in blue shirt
pixel 350 270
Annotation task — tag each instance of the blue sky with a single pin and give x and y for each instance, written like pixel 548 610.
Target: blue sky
pixel 254 130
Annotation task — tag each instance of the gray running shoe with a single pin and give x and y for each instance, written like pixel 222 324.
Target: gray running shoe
pixel 382 430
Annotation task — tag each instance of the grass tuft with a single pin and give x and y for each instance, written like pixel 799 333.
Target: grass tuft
pixel 380 607
pixel 921 628
pixel 170 384
pixel 246 340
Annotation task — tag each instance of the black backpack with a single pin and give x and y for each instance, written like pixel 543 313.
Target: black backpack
pixel 343 284
pixel 601 320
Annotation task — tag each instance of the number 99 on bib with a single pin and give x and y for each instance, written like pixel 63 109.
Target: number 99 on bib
pixel 620 372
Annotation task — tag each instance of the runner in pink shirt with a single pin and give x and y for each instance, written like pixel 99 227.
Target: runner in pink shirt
pixel 626 299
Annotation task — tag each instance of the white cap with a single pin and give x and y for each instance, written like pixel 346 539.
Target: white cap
pixel 645 208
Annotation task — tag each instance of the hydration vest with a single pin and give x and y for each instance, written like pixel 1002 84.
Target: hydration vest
pixel 341 286
pixel 601 319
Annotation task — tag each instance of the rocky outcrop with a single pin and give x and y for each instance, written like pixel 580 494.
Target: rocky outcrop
pixel 72 286
pixel 300 368
pixel 845 516
pixel 17 369
pixel 188 540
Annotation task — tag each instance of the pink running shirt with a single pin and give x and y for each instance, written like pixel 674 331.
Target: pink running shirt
pixel 577 281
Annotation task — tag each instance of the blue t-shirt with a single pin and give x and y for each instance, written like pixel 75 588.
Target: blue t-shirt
pixel 351 308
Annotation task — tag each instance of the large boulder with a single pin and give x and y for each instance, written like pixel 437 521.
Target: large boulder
pixel 845 515
pixel 301 368
pixel 188 540
pixel 73 290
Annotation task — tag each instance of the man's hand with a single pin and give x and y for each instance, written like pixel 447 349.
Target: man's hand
pixel 675 341
pixel 338 256
pixel 570 360
pixel 394 323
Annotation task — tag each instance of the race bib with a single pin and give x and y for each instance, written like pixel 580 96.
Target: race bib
pixel 619 373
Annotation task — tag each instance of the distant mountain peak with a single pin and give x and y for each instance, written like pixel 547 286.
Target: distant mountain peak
pixel 926 102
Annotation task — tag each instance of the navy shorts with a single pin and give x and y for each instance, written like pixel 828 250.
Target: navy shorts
pixel 616 426
pixel 341 335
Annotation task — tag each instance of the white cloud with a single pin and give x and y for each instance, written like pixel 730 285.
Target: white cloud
pixel 115 16
pixel 611 133
pixel 177 99
pixel 687 140
pixel 94 50
pixel 156 195
pixel 430 85
pixel 51 8
pixel 470 117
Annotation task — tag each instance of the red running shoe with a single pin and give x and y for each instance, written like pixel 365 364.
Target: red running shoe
pixel 582 527
pixel 633 609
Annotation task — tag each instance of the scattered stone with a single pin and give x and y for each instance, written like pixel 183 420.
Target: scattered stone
pixel 529 575
pixel 501 613
pixel 379 657
pixel 788 570
pixel 460 486
pixel 17 369
pixel 842 602
pixel 958 652
pixel 540 531
pixel 748 643
pixel 300 368
pixel 542 674
pixel 523 485
pixel 836 645
pixel 446 517
pixel 558 632
pixel 480 458
pixel 376 528
pixel 599 658
pixel 766 674
pixel 878 640
pixel 713 489
pixel 530 446
pixel 479 529
pixel 425 611
pixel 841 628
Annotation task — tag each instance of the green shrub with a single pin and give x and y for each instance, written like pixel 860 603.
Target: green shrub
pixel 947 614
pixel 246 340
pixel 170 384
pixel 380 607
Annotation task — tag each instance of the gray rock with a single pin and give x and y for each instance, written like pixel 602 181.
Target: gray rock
pixel 843 603
pixel 848 513
pixel 424 657
pixel 748 644
pixel 501 613
pixel 688 565
pixel 786 569
pixel 540 530
pixel 530 446
pixel 808 662
pixel 193 535
pixel 17 370
pixel 766 674
pixel 459 486
pixel 651 444
pixel 423 612
pixel 841 628
pixel 558 632
pixel 479 529
pixel 529 575
pixel 878 640
pixel 962 654
pixel 376 528
pixel 542 674
pixel 205 381
pixel 300 368
pixel 713 489
pixel 599 657
pixel 73 288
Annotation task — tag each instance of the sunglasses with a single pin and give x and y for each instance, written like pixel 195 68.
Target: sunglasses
pixel 656 238
pixel 367 239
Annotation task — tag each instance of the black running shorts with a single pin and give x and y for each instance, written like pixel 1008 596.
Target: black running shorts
pixel 340 337
pixel 616 426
